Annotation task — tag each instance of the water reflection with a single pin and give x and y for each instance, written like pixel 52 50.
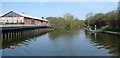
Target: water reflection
pixel 73 42
pixel 64 33
pixel 13 39
pixel 106 41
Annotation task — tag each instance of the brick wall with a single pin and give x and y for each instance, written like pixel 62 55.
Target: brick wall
pixel 38 22
pixel 27 21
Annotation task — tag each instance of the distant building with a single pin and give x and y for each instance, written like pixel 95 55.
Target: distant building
pixel 15 17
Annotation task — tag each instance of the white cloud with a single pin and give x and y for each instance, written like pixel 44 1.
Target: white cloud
pixel 60 0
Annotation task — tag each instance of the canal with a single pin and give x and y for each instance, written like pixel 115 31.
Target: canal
pixel 44 42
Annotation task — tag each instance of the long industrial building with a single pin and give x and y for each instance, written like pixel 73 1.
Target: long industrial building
pixel 15 17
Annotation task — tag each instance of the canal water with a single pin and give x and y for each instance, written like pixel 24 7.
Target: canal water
pixel 44 42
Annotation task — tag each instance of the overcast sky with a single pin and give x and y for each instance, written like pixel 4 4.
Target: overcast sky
pixel 57 9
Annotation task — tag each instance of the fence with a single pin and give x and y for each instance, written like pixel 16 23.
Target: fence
pixel 19 25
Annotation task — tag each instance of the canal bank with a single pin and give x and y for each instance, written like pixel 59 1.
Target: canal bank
pixel 107 32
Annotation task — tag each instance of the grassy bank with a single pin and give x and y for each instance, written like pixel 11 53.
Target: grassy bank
pixel 107 31
pixel 111 30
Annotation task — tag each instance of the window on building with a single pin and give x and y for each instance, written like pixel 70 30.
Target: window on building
pixel 7 21
pixel 12 14
pixel 20 20
pixel 17 21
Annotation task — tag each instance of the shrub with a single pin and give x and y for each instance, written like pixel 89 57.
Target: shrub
pixel 14 23
pixel 7 23
pixel 21 23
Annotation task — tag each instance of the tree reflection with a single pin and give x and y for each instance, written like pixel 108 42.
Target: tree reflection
pixel 106 41
pixel 69 33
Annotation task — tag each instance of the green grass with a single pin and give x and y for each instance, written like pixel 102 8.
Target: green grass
pixel 106 29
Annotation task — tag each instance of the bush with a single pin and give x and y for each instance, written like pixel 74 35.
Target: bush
pixel 110 19
pixel 20 22
pixel 14 23
pixel 7 23
pixel 68 22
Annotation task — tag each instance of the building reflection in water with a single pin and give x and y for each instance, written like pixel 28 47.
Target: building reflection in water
pixel 15 38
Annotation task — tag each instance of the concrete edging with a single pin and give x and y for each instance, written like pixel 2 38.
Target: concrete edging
pixel 108 32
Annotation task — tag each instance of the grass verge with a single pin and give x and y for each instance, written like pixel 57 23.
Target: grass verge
pixel 106 29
